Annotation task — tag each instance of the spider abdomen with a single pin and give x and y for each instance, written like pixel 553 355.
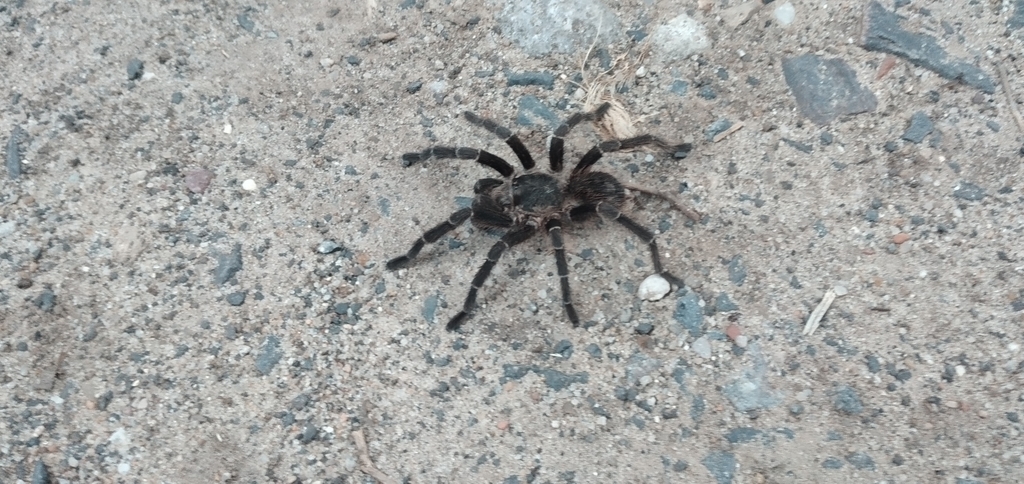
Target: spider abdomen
pixel 597 186
pixel 535 192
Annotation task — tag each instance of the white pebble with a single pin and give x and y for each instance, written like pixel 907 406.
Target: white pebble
pixel 653 288
pixel 227 128
pixel 840 290
pixel 785 14
pixel 249 185
pixel 326 62
pixel 641 71
pixel 741 341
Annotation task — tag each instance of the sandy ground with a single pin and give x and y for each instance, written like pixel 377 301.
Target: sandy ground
pixel 132 349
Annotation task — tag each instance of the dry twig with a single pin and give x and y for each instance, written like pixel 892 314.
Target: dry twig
pixel 366 463
pixel 1010 97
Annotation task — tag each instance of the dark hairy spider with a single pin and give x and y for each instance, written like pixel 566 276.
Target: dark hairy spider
pixel 521 205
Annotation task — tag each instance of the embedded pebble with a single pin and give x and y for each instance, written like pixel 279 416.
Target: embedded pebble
pixel 249 185
pixel 198 180
pixel 702 347
pixel 785 14
pixel 653 288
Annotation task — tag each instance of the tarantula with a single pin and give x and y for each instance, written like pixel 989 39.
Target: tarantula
pixel 523 204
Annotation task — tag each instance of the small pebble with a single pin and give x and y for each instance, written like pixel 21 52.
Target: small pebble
pixel 733 331
pixel 198 180
pixel 249 185
pixel 900 238
pixel 653 288
pixel 785 14
pixel 702 347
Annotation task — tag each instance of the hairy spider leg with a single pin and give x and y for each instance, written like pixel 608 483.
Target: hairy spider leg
pixel 554 227
pixel 609 211
pixel 511 238
pixel 505 134
pixel 429 237
pixel 556 145
pixel 678 151
pixel 485 158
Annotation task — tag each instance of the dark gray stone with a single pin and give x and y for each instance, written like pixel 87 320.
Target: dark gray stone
pixel 135 69
pixel 644 328
pixel 832 463
pixel 825 89
pixel 557 380
pixel 564 348
pixel 737 271
pixel 429 308
pixel 177 97
pixel 1016 21
pixel 846 400
pixel 414 87
pixel 874 366
pixel 688 314
pixel 969 191
pixel 13 159
pixel 796 145
pixel 679 87
pixel 533 111
pixel 882 33
pixel 236 298
pixel 871 215
pixel 544 79
pixel 309 432
pixel 743 434
pixel 721 465
pixel 593 350
pixel 47 300
pixel 40 473
pixel 920 126
pixel 716 128
pixel 724 304
pixel 228 265
pixel 516 372
pixel 245 22
pixel 270 353
pixel 861 461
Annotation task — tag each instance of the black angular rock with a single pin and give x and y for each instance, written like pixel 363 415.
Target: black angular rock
pixel 882 33
pixel 825 89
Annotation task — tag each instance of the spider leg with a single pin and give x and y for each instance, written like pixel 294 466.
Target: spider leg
pixel 556 145
pixel 554 227
pixel 505 134
pixel 511 238
pixel 429 237
pixel 485 158
pixel 609 211
pixel 678 151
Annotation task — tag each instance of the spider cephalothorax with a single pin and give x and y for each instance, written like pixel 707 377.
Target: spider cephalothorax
pixel 524 204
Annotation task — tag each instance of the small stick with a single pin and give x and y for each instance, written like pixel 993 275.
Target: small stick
pixel 819 312
pixel 732 129
pixel 367 463
pixel 1009 94
pixel 689 212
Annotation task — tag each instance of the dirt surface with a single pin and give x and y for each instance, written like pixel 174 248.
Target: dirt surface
pixel 156 329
